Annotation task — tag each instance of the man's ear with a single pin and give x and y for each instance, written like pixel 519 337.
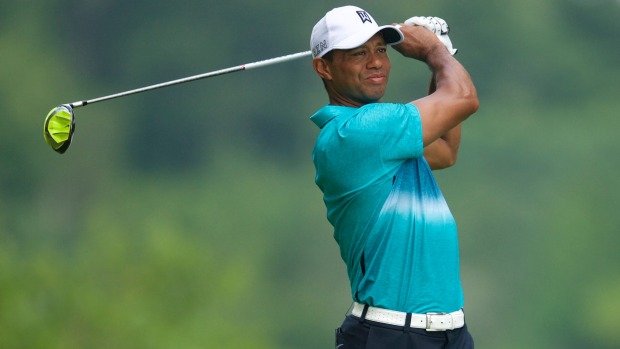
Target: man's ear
pixel 321 66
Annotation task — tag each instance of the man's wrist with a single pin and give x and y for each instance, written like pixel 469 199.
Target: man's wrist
pixel 436 52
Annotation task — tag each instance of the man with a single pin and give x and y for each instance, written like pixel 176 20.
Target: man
pixel 373 164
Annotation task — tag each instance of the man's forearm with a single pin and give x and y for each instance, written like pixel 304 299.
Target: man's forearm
pixel 453 136
pixel 451 76
pixel 444 151
pixel 432 86
pixel 453 140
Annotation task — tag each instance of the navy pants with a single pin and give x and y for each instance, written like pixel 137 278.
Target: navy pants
pixel 362 334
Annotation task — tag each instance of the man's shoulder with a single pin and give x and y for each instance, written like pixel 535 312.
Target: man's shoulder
pixel 380 112
pixel 383 114
pixel 391 108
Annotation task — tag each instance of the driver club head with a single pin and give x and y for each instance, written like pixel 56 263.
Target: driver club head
pixel 59 127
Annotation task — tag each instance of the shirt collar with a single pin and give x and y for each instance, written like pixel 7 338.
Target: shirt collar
pixel 327 113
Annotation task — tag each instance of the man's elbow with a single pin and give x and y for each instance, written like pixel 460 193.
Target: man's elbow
pixel 472 101
pixel 443 162
pixel 449 161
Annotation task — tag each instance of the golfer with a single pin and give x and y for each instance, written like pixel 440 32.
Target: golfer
pixel 373 164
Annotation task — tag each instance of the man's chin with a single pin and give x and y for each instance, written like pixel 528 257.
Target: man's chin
pixel 374 98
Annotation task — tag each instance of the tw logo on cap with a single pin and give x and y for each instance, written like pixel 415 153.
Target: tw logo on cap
pixel 364 16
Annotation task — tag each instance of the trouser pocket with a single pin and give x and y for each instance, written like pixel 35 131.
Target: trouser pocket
pixel 339 339
pixel 352 334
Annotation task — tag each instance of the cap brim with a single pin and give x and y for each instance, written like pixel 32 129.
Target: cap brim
pixel 391 34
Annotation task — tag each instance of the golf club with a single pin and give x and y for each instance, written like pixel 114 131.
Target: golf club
pixel 59 124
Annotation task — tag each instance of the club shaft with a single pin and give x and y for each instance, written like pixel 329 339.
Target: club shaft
pixel 242 67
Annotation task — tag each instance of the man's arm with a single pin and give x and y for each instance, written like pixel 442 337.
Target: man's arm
pixel 443 152
pixel 454 98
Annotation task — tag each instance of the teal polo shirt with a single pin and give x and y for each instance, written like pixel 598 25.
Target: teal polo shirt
pixel 395 231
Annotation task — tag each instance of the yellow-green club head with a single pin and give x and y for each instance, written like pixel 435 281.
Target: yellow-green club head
pixel 59 127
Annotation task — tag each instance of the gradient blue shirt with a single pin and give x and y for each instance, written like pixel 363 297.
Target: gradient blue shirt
pixel 395 231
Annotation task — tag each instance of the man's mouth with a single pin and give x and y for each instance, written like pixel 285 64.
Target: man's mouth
pixel 376 78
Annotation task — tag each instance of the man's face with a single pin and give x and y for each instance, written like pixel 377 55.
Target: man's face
pixel 359 76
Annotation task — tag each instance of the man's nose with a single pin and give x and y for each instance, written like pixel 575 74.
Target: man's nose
pixel 375 61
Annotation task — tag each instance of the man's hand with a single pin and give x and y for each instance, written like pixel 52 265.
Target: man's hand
pixel 419 42
pixel 437 26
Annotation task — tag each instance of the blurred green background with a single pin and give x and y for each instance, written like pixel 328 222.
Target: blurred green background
pixel 188 217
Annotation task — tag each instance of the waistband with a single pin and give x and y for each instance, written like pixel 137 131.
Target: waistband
pixel 428 321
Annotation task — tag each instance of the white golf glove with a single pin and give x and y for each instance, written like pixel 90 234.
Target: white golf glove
pixel 437 26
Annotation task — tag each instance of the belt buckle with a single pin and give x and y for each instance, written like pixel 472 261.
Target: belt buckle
pixel 429 320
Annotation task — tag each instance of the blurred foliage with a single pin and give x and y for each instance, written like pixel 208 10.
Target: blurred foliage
pixel 188 218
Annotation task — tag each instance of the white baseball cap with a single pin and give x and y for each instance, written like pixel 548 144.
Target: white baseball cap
pixel 348 27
